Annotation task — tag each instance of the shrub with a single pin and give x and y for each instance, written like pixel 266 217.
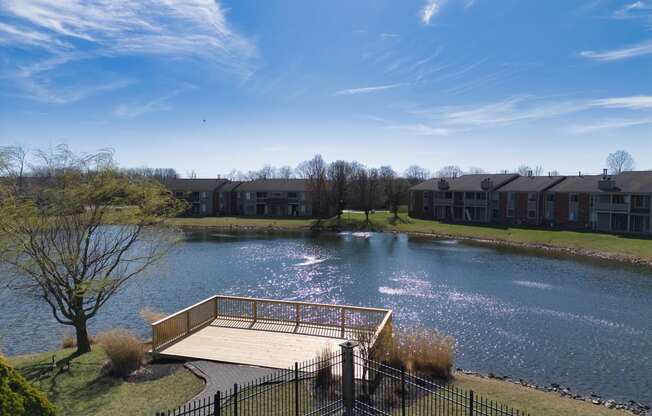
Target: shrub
pixel 425 352
pixel 69 340
pixel 150 316
pixel 18 397
pixel 326 383
pixel 124 350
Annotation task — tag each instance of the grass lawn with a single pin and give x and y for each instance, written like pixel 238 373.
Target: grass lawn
pixel 82 390
pixel 537 403
pixel 615 245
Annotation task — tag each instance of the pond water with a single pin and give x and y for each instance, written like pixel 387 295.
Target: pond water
pixel 548 320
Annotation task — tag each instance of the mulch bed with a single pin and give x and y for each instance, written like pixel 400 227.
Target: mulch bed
pixel 154 371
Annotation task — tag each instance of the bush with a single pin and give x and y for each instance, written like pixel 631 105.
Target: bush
pixel 125 351
pixel 18 397
pixel 150 316
pixel 424 352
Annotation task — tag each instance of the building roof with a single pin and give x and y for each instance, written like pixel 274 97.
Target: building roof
pixel 627 182
pixel 271 185
pixel 194 185
pixel 531 183
pixel 467 183
pixel 230 186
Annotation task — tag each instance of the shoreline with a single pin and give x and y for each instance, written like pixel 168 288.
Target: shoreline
pixel 535 248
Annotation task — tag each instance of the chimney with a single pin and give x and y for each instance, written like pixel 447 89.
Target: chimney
pixel 530 173
pixel 605 173
pixel 580 174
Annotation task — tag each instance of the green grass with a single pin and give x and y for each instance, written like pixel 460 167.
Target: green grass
pixel 82 390
pixel 622 246
pixel 535 402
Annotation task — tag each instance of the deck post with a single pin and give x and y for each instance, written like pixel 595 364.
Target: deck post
pixel 348 377
pixel 255 309
pixel 342 320
pixel 215 307
pixel 297 314
pixel 187 322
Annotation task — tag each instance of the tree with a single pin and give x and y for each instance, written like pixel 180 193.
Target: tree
pixel 314 170
pixel 365 184
pixel 339 176
pixel 59 242
pixel 474 170
pixel 416 174
pixel 620 161
pixel 450 171
pixel 13 162
pixel 523 170
pixel 394 188
pixel 285 172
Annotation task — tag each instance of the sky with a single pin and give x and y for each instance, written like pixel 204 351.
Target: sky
pixel 212 86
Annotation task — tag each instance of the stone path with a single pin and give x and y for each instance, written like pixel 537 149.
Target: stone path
pixel 222 376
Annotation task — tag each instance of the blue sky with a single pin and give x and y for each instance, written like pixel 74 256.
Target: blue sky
pixel 215 86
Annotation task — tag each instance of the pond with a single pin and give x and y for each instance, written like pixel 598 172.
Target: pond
pixel 548 320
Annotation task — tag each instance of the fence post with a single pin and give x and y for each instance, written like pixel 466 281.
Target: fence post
pixel 471 403
pixel 297 314
pixel 402 391
pixel 296 388
pixel 255 310
pixel 348 377
pixel 215 309
pixel 187 322
pixel 235 399
pixel 217 405
pixel 343 320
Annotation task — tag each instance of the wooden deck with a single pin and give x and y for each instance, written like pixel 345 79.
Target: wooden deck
pixel 244 331
pixel 244 343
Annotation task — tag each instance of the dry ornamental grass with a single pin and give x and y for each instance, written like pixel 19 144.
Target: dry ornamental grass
pixel 124 350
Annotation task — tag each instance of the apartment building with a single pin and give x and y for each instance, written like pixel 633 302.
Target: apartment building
pixel 228 199
pixel 468 198
pixel 521 201
pixel 619 203
pixel 274 198
pixel 199 193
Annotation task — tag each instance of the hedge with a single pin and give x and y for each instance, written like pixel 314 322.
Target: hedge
pixel 18 397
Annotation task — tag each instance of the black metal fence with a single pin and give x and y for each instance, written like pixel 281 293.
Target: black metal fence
pixel 344 383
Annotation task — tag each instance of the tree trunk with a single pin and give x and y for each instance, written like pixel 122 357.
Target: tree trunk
pixel 83 341
pixel 396 212
pixel 366 214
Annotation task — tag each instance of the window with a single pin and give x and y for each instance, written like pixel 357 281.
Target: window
pixel 469 195
pixel 261 195
pixel 481 196
pixel 531 214
pixel 277 194
pixel 531 196
pixel 292 194
pixel 550 197
pixel 510 212
pixel 618 199
pixel 448 195
pixel 178 194
pixel 248 196
pixel 204 195
pixel 573 207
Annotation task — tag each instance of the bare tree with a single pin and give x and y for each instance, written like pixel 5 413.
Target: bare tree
pixel 13 163
pixel 450 171
pixel 314 170
pixel 474 170
pixel 339 176
pixel 365 186
pixel 523 170
pixel 285 172
pixel 416 174
pixel 191 174
pixel 394 188
pixel 538 170
pixel 59 243
pixel 620 161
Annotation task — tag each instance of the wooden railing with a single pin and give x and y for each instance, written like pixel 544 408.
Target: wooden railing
pixel 345 318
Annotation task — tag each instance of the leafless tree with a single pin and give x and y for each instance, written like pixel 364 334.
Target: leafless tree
pixel 474 170
pixel 394 188
pixel 620 161
pixel 450 171
pixel 523 170
pixel 416 174
pixel 191 174
pixel 339 176
pixel 59 243
pixel 314 170
pixel 285 172
pixel 13 163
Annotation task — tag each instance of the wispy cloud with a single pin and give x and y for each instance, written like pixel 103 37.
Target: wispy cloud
pixel 62 32
pixel 642 48
pixel 609 124
pixel 420 129
pixel 519 109
pixel 637 9
pixel 43 91
pixel 367 90
pixel 430 10
pixel 135 109
pixel 636 102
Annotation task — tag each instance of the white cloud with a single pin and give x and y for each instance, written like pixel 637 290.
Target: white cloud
pixel 643 48
pixel 609 125
pixel 429 10
pixel 420 129
pixel 136 109
pixel 367 90
pixel 637 102
pixel 73 30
